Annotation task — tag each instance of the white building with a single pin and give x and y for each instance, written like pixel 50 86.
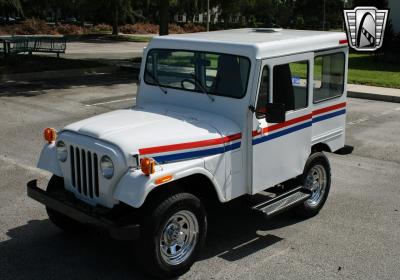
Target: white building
pixel 215 17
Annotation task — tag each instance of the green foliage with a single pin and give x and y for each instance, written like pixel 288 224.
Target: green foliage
pixel 11 5
pixel 305 14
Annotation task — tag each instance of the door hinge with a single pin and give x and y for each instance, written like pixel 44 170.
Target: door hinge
pixel 252 108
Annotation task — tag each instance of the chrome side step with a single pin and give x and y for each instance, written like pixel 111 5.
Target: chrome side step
pixel 283 202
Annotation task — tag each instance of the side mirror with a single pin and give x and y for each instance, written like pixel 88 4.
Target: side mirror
pixel 275 112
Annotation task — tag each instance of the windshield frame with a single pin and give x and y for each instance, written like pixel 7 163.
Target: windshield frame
pixel 196 90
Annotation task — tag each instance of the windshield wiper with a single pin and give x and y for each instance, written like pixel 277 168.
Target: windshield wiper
pixel 156 81
pixel 198 83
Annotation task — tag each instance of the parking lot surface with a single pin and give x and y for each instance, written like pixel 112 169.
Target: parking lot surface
pixel 356 235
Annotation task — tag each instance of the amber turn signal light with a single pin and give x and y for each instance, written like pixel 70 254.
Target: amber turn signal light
pixel 50 135
pixel 163 179
pixel 147 165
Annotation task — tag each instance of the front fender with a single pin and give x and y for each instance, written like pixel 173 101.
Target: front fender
pixel 48 160
pixel 134 187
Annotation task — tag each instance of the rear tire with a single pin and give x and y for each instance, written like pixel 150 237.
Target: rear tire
pixel 60 220
pixel 174 231
pixel 317 178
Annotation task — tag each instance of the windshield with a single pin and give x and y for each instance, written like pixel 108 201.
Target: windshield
pixel 215 73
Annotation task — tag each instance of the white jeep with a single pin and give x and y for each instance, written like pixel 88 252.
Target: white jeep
pixel 218 115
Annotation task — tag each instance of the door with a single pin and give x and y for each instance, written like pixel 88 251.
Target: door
pixel 280 149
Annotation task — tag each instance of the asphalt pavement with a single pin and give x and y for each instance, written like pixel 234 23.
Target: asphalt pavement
pixel 355 236
pixel 104 49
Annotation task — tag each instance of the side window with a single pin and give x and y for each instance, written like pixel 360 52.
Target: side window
pixel 328 76
pixel 263 93
pixel 211 69
pixel 290 85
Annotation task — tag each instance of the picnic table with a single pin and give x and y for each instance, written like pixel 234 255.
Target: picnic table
pixel 10 45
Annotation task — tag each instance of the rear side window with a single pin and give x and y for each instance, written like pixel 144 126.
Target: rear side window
pixel 328 76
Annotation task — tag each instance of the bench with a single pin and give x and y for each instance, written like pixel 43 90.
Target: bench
pixel 11 45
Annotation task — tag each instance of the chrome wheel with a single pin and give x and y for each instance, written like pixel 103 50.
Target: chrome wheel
pixel 316 182
pixel 179 237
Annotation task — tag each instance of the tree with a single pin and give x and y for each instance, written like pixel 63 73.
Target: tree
pixel 310 13
pixel 164 16
pixel 10 5
pixel 120 10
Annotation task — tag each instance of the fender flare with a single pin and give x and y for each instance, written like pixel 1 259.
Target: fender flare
pixel 48 160
pixel 134 187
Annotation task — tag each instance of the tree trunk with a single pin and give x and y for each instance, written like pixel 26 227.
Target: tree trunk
pixel 7 15
pixel 115 18
pixel 164 16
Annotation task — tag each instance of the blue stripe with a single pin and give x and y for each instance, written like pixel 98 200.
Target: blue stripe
pixel 281 133
pixel 328 116
pixel 196 154
pixel 232 147
pixel 220 150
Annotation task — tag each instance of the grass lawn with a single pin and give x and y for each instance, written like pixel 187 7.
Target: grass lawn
pixel 35 63
pixel 365 70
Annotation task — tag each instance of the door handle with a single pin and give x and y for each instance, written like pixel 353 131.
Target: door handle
pixel 259 128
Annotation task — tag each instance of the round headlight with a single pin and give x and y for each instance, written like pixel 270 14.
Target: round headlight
pixel 107 167
pixel 62 152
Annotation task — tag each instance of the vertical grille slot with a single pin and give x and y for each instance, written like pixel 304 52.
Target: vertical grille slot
pixel 72 156
pixel 78 169
pixel 85 172
pixel 90 173
pixel 84 175
pixel 96 175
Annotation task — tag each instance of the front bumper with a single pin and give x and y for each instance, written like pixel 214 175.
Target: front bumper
pixel 86 214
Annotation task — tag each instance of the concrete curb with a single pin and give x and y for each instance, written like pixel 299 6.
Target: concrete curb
pixel 373 96
pixel 32 76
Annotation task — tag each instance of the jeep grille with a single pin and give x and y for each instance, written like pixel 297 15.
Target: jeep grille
pixel 84 172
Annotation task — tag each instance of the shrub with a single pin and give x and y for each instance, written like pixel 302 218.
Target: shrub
pixel 191 27
pixel 70 29
pixel 100 28
pixel 139 28
pixel 35 26
pixel 32 27
pixel 175 29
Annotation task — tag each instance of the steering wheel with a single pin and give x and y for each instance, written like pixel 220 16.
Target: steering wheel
pixel 187 81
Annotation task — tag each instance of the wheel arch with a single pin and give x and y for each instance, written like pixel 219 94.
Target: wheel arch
pixel 197 184
pixel 197 181
pixel 320 147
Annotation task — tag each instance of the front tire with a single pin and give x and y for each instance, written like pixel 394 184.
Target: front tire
pixel 173 234
pixel 56 184
pixel 316 178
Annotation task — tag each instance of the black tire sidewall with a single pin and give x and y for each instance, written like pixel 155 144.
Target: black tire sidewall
pixel 317 158
pixel 60 220
pixel 152 231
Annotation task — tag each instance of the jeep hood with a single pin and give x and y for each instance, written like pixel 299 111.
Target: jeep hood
pixel 154 126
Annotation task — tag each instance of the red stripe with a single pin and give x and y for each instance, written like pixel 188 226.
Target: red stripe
pixel 299 119
pixel 190 145
pixel 342 42
pixel 284 124
pixel 229 138
pixel 330 108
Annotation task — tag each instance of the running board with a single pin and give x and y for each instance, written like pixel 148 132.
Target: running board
pixel 283 202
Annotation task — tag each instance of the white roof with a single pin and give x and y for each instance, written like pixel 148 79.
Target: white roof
pixel 253 42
